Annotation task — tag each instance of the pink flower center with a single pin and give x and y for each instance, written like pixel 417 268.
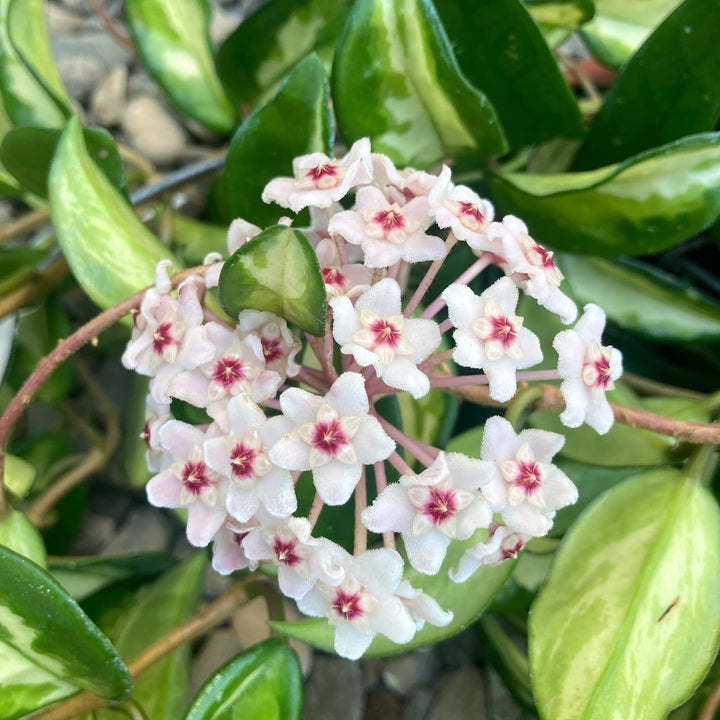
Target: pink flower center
pixel 511 549
pixel 272 348
pixel 228 371
pixel 441 505
pixel 529 476
pixel 195 477
pixel 503 330
pixel 347 605
pixel 329 437
pixel 324 175
pixel 385 333
pixel 162 337
pixel 333 276
pixel 145 434
pixel 238 537
pixel 285 551
pixel 242 460
pixel 601 368
pixel 472 212
pixel 389 220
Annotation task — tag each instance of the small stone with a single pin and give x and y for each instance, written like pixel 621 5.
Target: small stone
pixel 107 101
pixel 220 646
pixel 405 672
pixel 153 131
pixel 461 696
pixel 60 20
pixel 80 74
pixel 459 650
pixel 334 690
pixel 250 622
pixel 95 533
pixel 222 24
pixel 417 703
pixel 76 5
pixel 383 705
pixel 146 530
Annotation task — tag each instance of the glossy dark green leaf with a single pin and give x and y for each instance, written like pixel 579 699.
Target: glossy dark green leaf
pixel 48 647
pixel 629 621
pixel 410 99
pixel 620 27
pixel 27 152
pixel 19 535
pixel 513 60
pixel 623 446
pixel 32 91
pixel 263 683
pixel 561 13
pixel 134 447
pixel 276 271
pixel 111 253
pixel 162 691
pixel 639 298
pixel 643 205
pixel 295 122
pixel 174 44
pixel 194 239
pixel 466 600
pixel 266 44
pixel 670 88
pixel 83 576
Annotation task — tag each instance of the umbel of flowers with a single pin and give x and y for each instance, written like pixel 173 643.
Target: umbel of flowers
pixel 272 418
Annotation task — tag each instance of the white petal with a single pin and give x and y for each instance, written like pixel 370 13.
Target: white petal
pixel 372 443
pixel 391 511
pixel 426 552
pixel 335 482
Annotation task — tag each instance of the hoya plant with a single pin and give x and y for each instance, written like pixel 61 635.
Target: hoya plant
pixel 432 349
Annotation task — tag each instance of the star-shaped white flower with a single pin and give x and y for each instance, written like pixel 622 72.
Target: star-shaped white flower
pixel 422 607
pixel 388 232
pixel 524 486
pixel 532 267
pixel 333 436
pixel 375 333
pixel 463 211
pixel 588 369
pixel 228 552
pixel 503 544
pixel 490 336
pixel 441 504
pixel 364 604
pixel 279 345
pixel 351 279
pixel 321 181
pixel 241 456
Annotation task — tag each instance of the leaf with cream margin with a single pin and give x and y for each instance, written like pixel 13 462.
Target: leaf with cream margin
pixel 646 204
pixel 629 620
pixel 49 649
pixel 411 98
pixel 110 252
pixel 19 535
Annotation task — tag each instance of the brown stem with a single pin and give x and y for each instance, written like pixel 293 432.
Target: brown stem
pixel 711 704
pixel 24 224
pixel 62 352
pixel 93 461
pixel 196 626
pixel 121 37
pixel 552 399
pixel 37 287
pixel 360 540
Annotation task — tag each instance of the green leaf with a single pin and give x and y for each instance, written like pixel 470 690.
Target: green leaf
pixel 561 13
pixel 82 576
pixel 268 43
pixel 174 45
pixel 19 475
pixel 670 88
pixel 27 152
pixel 133 446
pixel 111 253
pixel 263 683
pixel 410 98
pixel 8 327
pixel 623 446
pixel 162 691
pixel 642 299
pixel 629 620
pixel 19 535
pixel 466 600
pixel 513 60
pixel 277 271
pixel 194 239
pixel 48 647
pixel 262 148
pixel 31 88
pixel 620 27
pixel 643 205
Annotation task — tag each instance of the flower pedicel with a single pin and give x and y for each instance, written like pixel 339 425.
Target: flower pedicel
pixel 275 421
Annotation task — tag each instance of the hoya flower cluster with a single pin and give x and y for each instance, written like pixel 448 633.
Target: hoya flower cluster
pixel 275 420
